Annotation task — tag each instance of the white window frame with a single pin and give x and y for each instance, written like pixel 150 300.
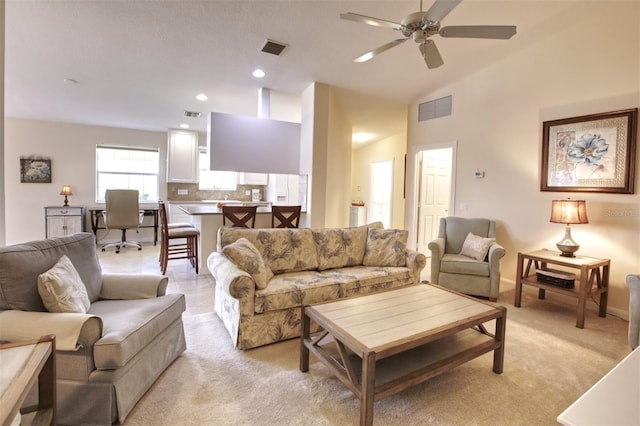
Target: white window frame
pixel 213 179
pixel 142 174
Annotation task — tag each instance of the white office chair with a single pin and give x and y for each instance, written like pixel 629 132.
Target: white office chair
pixel 122 212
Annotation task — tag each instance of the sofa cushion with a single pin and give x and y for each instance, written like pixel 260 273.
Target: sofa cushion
pixel 131 325
pixel 248 258
pixel 293 289
pixel 458 264
pixel 284 250
pixel 339 247
pixel 475 246
pixel 386 247
pixel 62 290
pixel 21 264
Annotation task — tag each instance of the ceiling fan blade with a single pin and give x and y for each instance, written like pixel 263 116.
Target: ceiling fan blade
pixel 440 9
pixel 379 50
pixel 431 54
pixel 502 32
pixel 376 22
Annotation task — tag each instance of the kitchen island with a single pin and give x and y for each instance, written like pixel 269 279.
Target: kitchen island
pixel 207 218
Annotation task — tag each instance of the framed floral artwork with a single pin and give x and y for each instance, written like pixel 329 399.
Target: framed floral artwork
pixel 591 153
pixel 35 170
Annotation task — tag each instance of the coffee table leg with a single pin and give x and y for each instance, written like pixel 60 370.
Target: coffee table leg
pixel 498 354
pixel 304 335
pixel 368 389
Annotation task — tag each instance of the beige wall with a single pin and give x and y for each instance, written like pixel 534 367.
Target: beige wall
pixel 2 179
pixel 71 148
pixel 393 148
pixel 589 65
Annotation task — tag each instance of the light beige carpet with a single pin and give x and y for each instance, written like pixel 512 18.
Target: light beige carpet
pixel 548 364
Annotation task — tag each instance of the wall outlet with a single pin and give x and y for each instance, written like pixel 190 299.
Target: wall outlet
pixel 247 192
pixel 183 192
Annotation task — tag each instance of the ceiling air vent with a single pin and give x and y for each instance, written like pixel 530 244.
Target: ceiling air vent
pixel 273 47
pixel 435 109
pixel 192 114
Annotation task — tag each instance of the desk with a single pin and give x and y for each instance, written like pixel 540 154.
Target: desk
pixel 95 213
pixel 22 364
pixel 592 271
pixel 611 401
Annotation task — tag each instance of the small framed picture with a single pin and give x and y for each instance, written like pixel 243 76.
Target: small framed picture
pixel 35 171
pixel 591 153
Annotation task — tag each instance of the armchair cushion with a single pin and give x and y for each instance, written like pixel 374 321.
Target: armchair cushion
pixel 62 290
pixel 248 258
pixel 21 264
pixel 386 247
pixel 476 247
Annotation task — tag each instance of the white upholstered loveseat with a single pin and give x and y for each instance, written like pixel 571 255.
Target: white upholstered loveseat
pixel 108 357
pixel 259 294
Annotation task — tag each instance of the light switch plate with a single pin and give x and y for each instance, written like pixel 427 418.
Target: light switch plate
pixel 183 192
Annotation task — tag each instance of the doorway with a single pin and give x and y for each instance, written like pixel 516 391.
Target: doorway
pixel 435 183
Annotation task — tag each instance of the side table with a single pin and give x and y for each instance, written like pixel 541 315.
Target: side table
pixel 592 271
pixel 22 365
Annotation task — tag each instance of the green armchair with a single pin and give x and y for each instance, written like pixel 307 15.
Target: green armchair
pixel 453 270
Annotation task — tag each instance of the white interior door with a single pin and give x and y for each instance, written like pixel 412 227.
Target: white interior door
pixel 435 171
pixel 381 181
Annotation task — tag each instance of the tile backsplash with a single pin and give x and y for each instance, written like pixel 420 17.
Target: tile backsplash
pixel 195 194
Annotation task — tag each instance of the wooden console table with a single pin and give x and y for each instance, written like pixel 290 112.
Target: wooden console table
pixel 592 271
pixel 22 364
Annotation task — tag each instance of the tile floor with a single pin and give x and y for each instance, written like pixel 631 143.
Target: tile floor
pixel 198 289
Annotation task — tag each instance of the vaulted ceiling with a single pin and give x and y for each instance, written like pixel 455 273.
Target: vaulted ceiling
pixel 140 64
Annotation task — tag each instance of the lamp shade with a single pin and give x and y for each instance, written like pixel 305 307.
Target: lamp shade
pixel 569 211
pixel 66 190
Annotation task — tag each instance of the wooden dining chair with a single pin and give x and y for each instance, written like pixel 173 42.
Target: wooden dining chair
pixel 186 246
pixel 285 216
pixel 239 216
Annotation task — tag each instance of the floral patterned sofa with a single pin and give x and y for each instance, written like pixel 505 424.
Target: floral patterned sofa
pixel 263 276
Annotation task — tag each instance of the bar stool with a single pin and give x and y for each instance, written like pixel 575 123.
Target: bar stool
pixel 285 216
pixel 181 250
pixel 239 216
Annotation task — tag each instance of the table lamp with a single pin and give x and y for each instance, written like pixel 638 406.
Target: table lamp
pixel 66 191
pixel 568 211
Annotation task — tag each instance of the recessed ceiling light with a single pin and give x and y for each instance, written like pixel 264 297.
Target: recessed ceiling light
pixel 258 73
pixel 202 97
pixel 184 126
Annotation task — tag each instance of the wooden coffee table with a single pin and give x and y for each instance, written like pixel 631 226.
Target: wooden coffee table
pixel 383 343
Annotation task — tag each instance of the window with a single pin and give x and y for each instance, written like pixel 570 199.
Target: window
pixel 127 168
pixel 213 179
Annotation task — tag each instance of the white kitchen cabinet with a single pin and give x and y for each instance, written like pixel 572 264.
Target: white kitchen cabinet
pixel 253 178
pixel 182 156
pixel 62 221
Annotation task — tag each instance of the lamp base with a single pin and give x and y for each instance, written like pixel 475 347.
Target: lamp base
pixel 567 246
pixel 66 201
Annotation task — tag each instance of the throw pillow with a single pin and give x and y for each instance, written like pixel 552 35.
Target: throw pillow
pixel 247 257
pixel 386 247
pixel 340 247
pixel 476 247
pixel 62 290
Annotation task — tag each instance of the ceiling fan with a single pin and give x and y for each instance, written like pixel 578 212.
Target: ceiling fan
pixel 419 26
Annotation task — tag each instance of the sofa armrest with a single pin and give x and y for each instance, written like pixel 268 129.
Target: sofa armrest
pixel 133 286
pixel 233 281
pixel 70 329
pixel 437 251
pixel 416 261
